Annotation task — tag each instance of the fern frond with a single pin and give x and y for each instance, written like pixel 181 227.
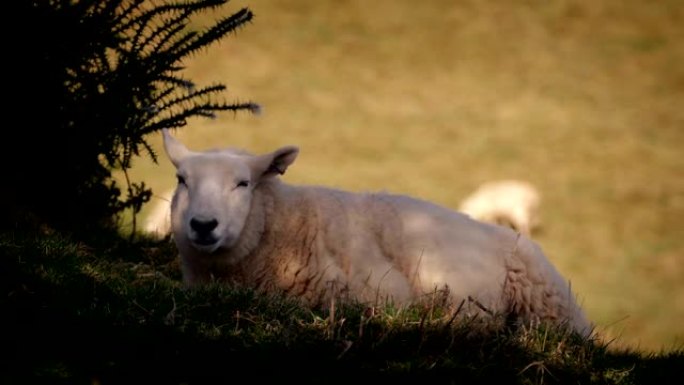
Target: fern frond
pixel 200 40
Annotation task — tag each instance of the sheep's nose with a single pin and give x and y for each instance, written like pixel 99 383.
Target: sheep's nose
pixel 203 227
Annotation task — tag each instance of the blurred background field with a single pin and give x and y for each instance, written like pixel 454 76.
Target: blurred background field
pixel 432 98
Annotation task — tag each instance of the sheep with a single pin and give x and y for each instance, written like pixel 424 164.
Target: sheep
pixel 158 221
pixel 234 221
pixel 510 203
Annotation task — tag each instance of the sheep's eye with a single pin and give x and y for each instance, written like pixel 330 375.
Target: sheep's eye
pixel 181 180
pixel 243 183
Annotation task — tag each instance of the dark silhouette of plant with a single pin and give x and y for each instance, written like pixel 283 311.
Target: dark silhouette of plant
pixel 99 76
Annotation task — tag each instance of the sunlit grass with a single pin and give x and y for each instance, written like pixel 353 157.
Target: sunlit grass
pixel 116 312
pixel 432 98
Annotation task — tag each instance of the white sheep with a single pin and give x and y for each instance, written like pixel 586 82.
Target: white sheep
pixel 512 203
pixel 158 221
pixel 233 220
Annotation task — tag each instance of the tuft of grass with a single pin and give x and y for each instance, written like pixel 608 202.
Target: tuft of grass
pixel 75 313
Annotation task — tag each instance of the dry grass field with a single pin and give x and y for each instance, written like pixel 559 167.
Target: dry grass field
pixel 585 99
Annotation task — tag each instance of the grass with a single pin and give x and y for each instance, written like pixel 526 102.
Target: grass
pixel 110 311
pixel 432 98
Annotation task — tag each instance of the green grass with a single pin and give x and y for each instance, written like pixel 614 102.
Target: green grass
pixel 112 312
pixel 432 98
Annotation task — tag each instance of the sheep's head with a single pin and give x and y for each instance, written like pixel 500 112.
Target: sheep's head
pixel 214 195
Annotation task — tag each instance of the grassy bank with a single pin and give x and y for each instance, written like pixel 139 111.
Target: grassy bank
pixel 113 312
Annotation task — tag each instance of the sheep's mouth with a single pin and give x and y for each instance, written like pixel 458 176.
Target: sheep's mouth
pixel 210 243
pixel 205 243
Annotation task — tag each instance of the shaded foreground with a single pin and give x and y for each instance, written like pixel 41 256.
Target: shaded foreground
pixel 114 312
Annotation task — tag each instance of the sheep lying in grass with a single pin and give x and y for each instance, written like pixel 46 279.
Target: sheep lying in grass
pixel 510 203
pixel 233 220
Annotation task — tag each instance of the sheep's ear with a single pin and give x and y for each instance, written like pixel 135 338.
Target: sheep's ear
pixel 175 150
pixel 275 163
